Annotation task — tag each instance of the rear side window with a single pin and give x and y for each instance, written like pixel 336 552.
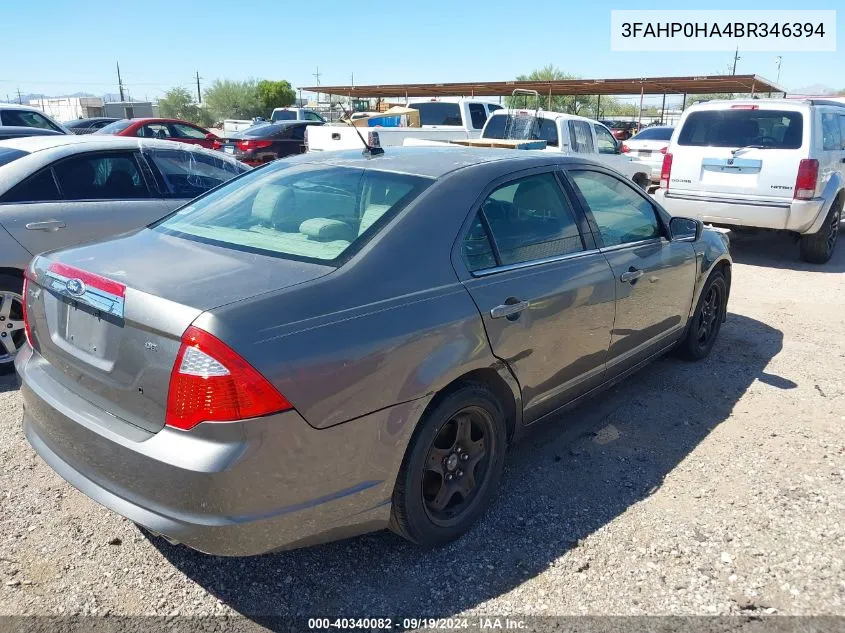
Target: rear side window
pixel 438 113
pixel 605 140
pixel 478 115
pixel 188 174
pixel 187 131
pixel 38 188
pixel 775 129
pixel 581 138
pixel 99 177
pixel 831 134
pixel 529 219
pixel 307 212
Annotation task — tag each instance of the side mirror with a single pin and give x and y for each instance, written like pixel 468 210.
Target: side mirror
pixel 685 229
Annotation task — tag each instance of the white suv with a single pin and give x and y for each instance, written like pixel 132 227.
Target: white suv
pixel 765 163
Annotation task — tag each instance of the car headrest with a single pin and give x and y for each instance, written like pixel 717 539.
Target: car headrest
pixel 272 203
pixel 536 195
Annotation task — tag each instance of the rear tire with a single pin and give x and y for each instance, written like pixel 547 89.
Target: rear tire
pixel 451 469
pixel 706 321
pixel 11 320
pixel 817 248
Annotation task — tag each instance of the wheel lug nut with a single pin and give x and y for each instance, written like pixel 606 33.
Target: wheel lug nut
pixel 460 473
pixel 449 477
pixel 464 457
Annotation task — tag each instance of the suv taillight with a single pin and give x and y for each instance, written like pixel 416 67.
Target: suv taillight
pixel 248 145
pixel 26 326
pixel 666 171
pixel 212 383
pixel 808 176
pixel 625 149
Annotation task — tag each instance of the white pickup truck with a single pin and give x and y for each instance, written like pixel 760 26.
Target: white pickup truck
pixel 440 120
pixel 568 134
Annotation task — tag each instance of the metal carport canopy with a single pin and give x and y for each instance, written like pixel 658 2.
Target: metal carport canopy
pixel 634 86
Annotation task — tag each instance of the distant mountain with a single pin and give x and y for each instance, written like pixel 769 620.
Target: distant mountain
pixel 814 89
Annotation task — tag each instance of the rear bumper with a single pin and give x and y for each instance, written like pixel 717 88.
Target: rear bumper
pixel 230 489
pixel 800 216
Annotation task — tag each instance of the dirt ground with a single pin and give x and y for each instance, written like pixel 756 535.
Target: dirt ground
pixel 706 488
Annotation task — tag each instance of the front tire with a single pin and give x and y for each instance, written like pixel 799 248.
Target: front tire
pixel 817 248
pixel 12 335
pixel 451 469
pixel 706 321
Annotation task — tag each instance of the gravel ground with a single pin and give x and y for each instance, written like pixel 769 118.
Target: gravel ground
pixel 689 489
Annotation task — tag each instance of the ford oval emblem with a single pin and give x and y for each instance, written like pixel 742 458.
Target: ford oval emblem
pixel 76 287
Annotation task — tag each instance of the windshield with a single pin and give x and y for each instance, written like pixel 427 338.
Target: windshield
pixel 308 212
pixel 283 115
pixel 773 129
pixel 438 113
pixel 654 134
pixel 114 128
pixel 7 155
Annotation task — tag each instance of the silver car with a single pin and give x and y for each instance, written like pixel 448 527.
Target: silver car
pixel 59 191
pixel 335 344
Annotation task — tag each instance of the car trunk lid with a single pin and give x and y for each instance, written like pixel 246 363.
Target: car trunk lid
pixel 109 317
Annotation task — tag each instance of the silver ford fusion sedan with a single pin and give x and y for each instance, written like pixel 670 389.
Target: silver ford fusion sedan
pixel 335 344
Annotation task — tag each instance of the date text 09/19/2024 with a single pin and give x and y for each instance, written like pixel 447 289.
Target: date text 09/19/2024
pixel 446 624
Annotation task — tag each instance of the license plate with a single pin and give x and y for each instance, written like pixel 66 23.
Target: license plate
pixel 645 152
pixel 85 329
pixel 229 149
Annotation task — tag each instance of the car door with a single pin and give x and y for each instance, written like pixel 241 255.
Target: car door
pixel 545 293
pixel 99 194
pixel 654 277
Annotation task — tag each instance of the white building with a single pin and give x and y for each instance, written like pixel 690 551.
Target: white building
pixel 69 108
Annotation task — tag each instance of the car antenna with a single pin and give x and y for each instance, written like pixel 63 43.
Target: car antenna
pixel 370 150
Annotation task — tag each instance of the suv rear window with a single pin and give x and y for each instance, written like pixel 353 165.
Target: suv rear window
pixel 770 129
pixel 438 113
pixel 284 115
pixel 654 134
pixel 305 212
pixel 520 127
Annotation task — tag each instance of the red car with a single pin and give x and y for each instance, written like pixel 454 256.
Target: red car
pixel 167 129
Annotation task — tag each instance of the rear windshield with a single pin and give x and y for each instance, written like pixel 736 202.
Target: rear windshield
pixel 654 134
pixel 438 113
pixel 313 213
pixel 7 155
pixel 771 129
pixel 114 128
pixel 264 130
pixel 284 115
pixel 508 126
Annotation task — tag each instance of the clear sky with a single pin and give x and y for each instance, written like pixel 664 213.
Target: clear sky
pixel 73 46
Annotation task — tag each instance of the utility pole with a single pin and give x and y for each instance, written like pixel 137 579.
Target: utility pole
pixel 316 76
pixel 199 94
pixel 19 97
pixel 119 82
pixel 353 80
pixel 778 61
pixel 736 58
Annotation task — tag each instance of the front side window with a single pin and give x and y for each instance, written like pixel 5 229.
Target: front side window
pixel 100 177
pixel 622 215
pixel 743 127
pixel 831 135
pixel 306 212
pixel 605 140
pixel 187 131
pixel 478 115
pixel 38 188
pixel 581 138
pixel 27 118
pixel 438 113
pixel 153 130
pixel 313 116
pixel 188 174
pixel 529 219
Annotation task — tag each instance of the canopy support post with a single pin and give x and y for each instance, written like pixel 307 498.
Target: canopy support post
pixel 663 109
pixel 640 115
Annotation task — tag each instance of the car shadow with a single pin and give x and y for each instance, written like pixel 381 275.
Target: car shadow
pixel 563 482
pixel 8 381
pixel 771 249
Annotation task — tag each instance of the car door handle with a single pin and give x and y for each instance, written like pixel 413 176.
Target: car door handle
pixel 630 276
pixel 51 225
pixel 508 309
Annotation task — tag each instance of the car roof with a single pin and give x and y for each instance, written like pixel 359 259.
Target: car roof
pixel 18 106
pixel 766 104
pixel 433 162
pixel 94 142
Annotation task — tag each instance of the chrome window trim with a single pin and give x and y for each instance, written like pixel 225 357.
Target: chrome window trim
pixel 484 272
pixel 619 247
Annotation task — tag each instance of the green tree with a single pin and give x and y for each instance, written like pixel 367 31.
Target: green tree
pixel 177 104
pixel 585 105
pixel 228 99
pixel 275 94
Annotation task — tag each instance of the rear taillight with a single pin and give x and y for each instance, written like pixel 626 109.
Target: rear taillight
pixel 808 176
pixel 248 145
pixel 211 383
pixel 666 170
pixel 663 149
pixel 26 325
pixel 745 106
pixel 625 148
pixel 216 145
